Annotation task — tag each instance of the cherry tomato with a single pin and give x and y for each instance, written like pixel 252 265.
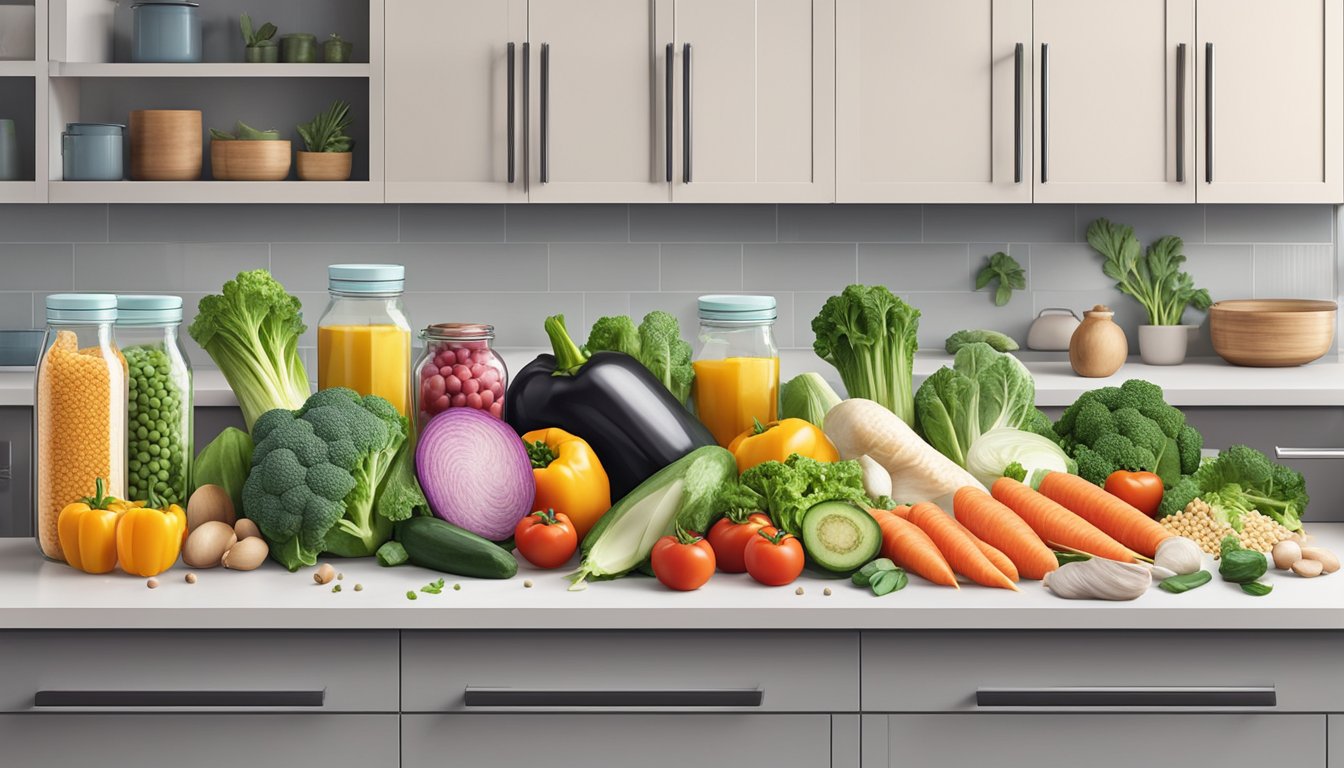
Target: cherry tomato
pixel 774 558
pixel 546 539
pixel 729 539
pixel 683 561
pixel 1141 490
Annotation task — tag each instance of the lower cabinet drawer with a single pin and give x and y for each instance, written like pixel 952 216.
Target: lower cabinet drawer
pixel 648 740
pixel 1336 741
pixel 1063 670
pixel 200 740
pixel 630 670
pixel 1095 740
pixel 307 671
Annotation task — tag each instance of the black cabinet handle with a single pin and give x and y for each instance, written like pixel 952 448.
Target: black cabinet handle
pixel 510 97
pixel 703 697
pixel 686 113
pixel 1180 113
pixel 1126 697
pixel 1017 113
pixel 545 112
pixel 1208 113
pixel 667 108
pixel 1045 112
pixel 527 111
pixel 179 698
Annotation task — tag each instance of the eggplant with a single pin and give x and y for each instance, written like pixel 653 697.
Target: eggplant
pixel 633 423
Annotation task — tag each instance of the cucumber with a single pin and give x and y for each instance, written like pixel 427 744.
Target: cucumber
pixel 441 546
pixel 839 536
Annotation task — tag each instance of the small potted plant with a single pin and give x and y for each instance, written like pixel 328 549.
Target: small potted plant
pixel 260 46
pixel 337 50
pixel 326 154
pixel 1155 280
pixel 248 154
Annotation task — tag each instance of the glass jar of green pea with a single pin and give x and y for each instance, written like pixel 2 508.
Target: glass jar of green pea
pixel 159 408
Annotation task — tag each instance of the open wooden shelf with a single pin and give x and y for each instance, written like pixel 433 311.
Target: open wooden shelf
pixel 265 192
pixel 218 69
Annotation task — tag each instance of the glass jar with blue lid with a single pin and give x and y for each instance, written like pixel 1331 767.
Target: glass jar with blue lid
pixel 736 364
pixel 159 403
pixel 79 413
pixel 364 338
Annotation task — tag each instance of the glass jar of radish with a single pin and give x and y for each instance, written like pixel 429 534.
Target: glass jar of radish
pixel 459 369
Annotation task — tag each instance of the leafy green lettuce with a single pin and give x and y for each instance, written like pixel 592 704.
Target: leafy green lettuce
pixel 981 391
pixel 787 490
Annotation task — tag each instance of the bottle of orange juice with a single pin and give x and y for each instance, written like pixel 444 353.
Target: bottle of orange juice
pixel 364 338
pixel 736 364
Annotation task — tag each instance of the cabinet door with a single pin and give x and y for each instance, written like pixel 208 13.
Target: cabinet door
pixel 648 740
pixel 1106 741
pixel 932 101
pixel 597 101
pixel 1114 99
pixel 754 101
pixel 110 740
pixel 1270 126
pixel 447 101
pixel 1336 739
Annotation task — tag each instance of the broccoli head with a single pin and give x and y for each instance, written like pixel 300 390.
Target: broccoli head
pixel 614 334
pixel 316 472
pixel 1129 427
pixel 656 343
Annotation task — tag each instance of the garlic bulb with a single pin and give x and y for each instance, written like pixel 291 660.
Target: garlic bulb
pixel 1098 579
pixel 1179 555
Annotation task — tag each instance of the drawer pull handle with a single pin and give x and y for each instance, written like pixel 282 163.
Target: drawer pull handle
pixel 1126 697
pixel 179 698
pixel 1308 453
pixel 522 697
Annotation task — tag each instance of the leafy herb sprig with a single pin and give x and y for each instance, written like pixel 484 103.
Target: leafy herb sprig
pixel 1154 278
pixel 326 132
pixel 255 39
pixel 1005 269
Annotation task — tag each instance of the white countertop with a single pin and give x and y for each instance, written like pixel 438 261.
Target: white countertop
pixel 1200 381
pixel 47 595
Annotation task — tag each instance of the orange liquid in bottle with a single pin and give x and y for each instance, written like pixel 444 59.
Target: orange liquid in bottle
pixel 370 359
pixel 731 393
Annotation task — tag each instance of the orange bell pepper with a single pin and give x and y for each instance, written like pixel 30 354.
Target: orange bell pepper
pixel 149 538
pixel 87 530
pixel 569 477
pixel 777 440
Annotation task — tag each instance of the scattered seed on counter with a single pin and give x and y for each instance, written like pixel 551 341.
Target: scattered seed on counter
pixel 336 588
pixel 826 591
pixel 410 595
pixel 152 583
pixel 191 578
pixel 340 577
pixel 359 587
pixel 527 583
pixel 798 591
pixel 324 574
pixel 457 587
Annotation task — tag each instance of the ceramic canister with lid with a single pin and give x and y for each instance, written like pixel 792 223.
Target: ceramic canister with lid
pixel 92 151
pixel 166 31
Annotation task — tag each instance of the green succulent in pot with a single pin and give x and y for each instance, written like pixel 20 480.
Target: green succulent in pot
pixel 260 46
pixel 326 153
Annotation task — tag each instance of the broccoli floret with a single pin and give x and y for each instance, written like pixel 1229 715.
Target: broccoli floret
pixel 614 334
pixel 1156 437
pixel 1244 478
pixel 666 354
pixel 1177 497
pixel 1094 420
pixel 1189 448
pixel 1092 466
pixel 315 474
pixel 1038 423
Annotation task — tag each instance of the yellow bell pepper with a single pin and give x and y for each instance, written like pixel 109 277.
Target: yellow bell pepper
pixel 87 530
pixel 149 538
pixel 569 477
pixel 777 440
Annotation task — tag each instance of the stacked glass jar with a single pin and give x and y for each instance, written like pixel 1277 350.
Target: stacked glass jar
pixel 79 427
pixel 159 407
pixel 364 338
pixel 459 369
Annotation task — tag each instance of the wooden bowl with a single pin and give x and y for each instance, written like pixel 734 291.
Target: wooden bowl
pixel 166 144
pixel 1271 333
pixel 249 160
pixel 323 166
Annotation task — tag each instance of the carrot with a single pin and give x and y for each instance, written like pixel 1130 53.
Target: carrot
pixel 995 555
pixel 958 546
pixel 911 548
pixel 902 511
pixel 1055 524
pixel 996 524
pixel 1122 522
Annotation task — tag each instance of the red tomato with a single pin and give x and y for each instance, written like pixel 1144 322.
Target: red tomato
pixel 774 558
pixel 729 539
pixel 683 561
pixel 1141 490
pixel 546 539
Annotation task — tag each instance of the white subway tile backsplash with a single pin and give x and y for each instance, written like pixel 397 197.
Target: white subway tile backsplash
pixel 440 267
pixel 1269 224
pixel 210 265
pixel 856 223
pixel 702 223
pixel 1064 267
pixel 799 266
pixel 16 310
pixel 707 267
pixel 250 223
pixel 1224 270
pixel 566 223
pixel 994 223
pixel 123 267
pixel 1294 271
pixel 36 266
pixel 518 317
pixel 452 223
pixel 604 267
pixel 53 223
pixel 917 266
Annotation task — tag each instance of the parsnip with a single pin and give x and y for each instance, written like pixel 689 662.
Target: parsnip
pixel 918 471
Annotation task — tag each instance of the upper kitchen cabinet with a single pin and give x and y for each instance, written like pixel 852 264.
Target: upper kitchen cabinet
pixel 753 100
pixel 1114 100
pixel 598 99
pixel 932 102
pixel 454 101
pixel 1269 118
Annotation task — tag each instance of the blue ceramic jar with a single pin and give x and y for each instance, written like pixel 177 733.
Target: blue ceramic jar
pixel 92 152
pixel 166 32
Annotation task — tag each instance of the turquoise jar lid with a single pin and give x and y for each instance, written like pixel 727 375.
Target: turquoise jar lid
pixel 149 310
pixel 95 129
pixel 366 278
pixel 738 308
pixel 81 308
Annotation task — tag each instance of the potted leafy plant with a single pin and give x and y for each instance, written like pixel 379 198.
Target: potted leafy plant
pixel 260 46
pixel 337 50
pixel 247 154
pixel 1154 279
pixel 326 154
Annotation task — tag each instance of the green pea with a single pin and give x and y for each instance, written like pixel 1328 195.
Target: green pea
pixel 163 476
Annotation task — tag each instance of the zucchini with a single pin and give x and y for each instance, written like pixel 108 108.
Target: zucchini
pixel 441 546
pixel 839 536
pixel 682 493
